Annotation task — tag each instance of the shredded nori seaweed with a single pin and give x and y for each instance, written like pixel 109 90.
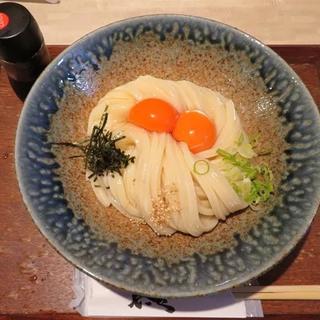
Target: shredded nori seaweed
pixel 100 152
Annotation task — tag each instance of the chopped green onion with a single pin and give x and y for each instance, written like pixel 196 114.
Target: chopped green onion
pixel 201 167
pixel 265 152
pixel 255 184
pixel 254 139
pixel 240 139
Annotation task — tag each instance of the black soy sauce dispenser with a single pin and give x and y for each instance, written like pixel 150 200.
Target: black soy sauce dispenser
pixel 23 53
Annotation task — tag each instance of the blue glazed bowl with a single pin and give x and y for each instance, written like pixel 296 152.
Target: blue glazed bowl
pixel 81 68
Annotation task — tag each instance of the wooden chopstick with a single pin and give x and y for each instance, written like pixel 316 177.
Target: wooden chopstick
pixel 311 292
pixel 299 288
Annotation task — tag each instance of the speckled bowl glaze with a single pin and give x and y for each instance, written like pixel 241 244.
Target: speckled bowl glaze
pixel 265 244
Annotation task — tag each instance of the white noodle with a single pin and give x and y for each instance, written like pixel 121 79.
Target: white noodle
pixel 162 175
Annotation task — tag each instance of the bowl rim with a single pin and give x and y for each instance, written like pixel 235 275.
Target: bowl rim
pixel 265 266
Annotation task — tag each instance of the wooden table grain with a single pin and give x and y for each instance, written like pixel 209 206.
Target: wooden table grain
pixel 36 282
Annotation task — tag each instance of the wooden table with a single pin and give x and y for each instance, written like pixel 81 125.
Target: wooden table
pixel 36 282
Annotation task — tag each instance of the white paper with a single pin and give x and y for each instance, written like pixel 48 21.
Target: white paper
pixel 94 299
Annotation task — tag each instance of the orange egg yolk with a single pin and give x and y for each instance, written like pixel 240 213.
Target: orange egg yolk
pixel 196 130
pixel 153 115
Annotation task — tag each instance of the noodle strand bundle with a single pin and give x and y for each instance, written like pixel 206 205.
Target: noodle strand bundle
pixel 161 187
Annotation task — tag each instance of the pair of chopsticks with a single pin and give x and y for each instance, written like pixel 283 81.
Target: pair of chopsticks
pixel 311 292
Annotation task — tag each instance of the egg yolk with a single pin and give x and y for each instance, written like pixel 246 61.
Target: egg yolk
pixel 196 130
pixel 153 115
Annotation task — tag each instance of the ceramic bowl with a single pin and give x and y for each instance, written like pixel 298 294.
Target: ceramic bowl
pixel 176 47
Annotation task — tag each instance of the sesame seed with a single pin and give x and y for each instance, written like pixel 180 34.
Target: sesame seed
pixel 164 205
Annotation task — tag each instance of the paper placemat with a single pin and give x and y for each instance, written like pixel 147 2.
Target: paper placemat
pixel 94 299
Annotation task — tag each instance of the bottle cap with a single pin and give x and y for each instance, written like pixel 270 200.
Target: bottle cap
pixel 20 36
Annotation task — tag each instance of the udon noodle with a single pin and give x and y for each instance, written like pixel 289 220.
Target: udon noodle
pixel 161 187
